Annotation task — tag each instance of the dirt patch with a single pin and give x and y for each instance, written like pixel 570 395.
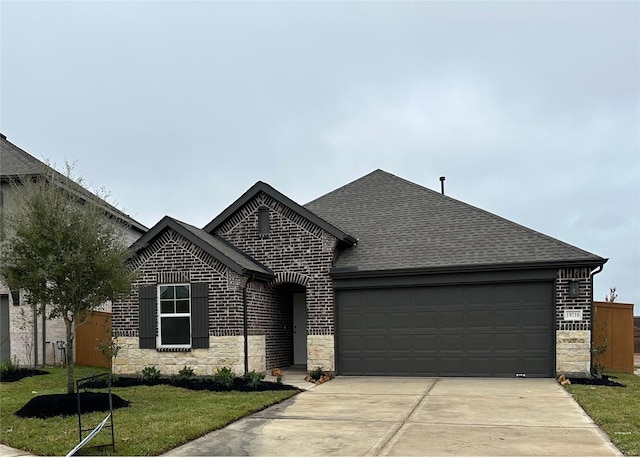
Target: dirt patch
pixel 53 405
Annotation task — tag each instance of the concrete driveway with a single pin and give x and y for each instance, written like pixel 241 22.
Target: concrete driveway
pixel 391 416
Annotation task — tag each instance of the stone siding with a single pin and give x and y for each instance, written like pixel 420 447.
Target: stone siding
pixel 573 353
pixel 321 352
pixel 223 351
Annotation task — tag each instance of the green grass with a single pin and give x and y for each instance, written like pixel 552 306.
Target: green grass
pixel 159 418
pixel 616 410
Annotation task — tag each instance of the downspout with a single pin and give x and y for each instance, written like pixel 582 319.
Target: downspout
pixel 35 335
pixel 245 324
pixel 593 312
pixel 44 337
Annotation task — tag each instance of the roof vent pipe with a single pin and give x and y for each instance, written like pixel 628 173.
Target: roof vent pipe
pixel 442 184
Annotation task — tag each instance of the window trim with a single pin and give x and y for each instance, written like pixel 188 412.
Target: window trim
pixel 160 315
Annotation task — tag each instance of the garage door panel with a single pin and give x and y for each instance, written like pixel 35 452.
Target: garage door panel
pixel 451 366
pixel 479 342
pixel 452 342
pixel 425 319
pixel 536 316
pixel 508 341
pixel 504 318
pixel 399 320
pixel 374 365
pixel 371 343
pixel 474 330
pixel 451 319
pixel 424 343
pixel 480 318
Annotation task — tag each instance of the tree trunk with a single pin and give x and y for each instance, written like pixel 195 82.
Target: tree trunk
pixel 69 352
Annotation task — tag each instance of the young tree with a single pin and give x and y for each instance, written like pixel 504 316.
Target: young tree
pixel 612 296
pixel 64 251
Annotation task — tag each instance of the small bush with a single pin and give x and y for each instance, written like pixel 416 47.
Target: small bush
pixel 186 372
pixel 316 373
pixel 224 376
pixel 8 367
pixel 150 373
pixel 254 379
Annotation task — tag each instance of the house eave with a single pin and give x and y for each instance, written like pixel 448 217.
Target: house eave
pixel 353 272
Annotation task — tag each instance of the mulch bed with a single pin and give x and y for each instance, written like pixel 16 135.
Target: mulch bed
pixel 192 383
pixel 20 373
pixel 604 381
pixel 52 405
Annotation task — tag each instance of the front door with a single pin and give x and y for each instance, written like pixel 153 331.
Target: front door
pixel 299 329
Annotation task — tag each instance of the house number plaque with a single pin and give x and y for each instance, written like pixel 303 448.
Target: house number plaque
pixel 573 315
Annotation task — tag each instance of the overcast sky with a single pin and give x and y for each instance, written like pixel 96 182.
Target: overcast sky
pixel 530 109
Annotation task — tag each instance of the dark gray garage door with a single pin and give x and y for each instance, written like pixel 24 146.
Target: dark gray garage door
pixel 464 330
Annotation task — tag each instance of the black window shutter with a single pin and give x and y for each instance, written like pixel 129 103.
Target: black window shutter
pixel 199 315
pixel 148 316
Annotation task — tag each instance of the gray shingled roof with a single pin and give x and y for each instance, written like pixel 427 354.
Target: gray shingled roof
pixel 16 163
pixel 217 247
pixel 402 225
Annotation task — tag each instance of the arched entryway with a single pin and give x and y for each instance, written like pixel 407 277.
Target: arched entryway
pixel 286 343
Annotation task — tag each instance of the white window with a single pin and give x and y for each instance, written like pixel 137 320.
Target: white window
pixel 174 315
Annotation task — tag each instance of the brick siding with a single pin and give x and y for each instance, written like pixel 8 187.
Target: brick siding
pixel 173 259
pixel 582 302
pixel 295 249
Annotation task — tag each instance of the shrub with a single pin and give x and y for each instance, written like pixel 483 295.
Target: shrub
pixel 150 373
pixel 186 372
pixel 224 376
pixel 8 367
pixel 254 378
pixel 316 373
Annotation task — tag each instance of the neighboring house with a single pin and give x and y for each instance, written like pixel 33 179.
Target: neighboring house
pixel 21 332
pixel 381 276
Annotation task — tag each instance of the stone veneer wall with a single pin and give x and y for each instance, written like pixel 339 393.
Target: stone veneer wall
pixel 223 351
pixel 297 251
pixel 573 338
pixel 321 352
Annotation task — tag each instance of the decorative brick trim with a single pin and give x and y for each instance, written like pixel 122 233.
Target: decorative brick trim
pixel 174 277
pixel 290 277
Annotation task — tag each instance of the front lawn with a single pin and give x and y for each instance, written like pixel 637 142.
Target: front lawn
pixel 158 419
pixel 615 409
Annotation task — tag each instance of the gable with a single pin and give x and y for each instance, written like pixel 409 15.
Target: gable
pixel 402 225
pixel 263 194
pixel 212 249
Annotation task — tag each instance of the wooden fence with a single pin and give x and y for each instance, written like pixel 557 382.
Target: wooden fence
pixel 613 326
pixel 96 328
pixel 636 334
